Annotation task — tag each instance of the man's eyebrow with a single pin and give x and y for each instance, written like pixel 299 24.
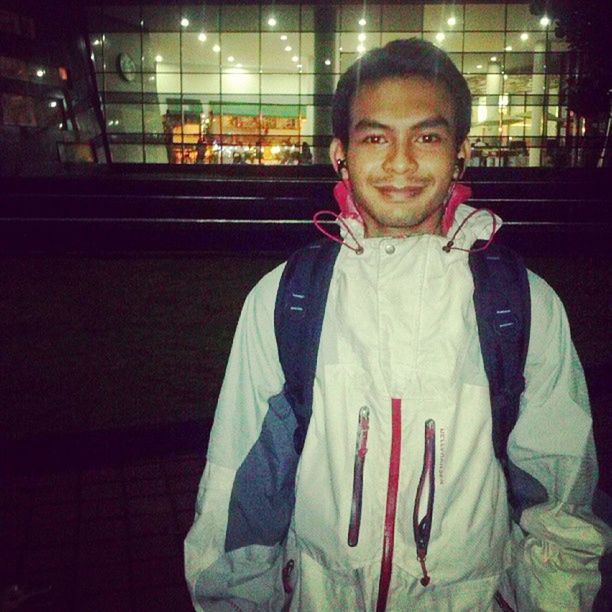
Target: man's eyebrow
pixel 370 124
pixel 430 122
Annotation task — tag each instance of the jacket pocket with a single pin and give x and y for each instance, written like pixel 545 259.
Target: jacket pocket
pixel 361 448
pixel 421 521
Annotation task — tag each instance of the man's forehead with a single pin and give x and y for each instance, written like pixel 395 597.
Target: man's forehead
pixel 411 98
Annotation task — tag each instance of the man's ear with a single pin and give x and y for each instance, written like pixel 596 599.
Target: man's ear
pixel 463 155
pixel 337 155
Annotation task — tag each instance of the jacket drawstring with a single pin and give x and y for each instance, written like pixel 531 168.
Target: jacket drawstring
pixel 450 244
pixel 315 219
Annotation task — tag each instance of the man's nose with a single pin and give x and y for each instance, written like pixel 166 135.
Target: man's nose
pixel 401 158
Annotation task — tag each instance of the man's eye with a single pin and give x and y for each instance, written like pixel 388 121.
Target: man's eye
pixel 429 138
pixel 374 139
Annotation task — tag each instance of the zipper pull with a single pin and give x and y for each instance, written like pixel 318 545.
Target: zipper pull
pixel 421 554
pixel 422 528
pixel 361 449
pixel 287 571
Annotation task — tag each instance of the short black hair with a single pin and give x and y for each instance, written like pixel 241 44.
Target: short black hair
pixel 402 58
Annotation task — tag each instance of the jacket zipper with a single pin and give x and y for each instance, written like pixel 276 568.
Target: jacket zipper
pixel 386 564
pixel 422 528
pixel 361 449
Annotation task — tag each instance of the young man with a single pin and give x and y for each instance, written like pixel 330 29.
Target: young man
pixel 399 366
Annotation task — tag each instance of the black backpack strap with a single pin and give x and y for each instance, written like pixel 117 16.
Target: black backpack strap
pixel 503 312
pixel 298 319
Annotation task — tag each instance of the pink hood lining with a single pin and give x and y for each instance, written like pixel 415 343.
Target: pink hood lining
pixel 460 192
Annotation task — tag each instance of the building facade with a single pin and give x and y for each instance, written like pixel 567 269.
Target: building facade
pixel 251 82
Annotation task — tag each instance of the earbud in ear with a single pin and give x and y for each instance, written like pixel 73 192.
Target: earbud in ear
pixel 459 167
pixel 340 164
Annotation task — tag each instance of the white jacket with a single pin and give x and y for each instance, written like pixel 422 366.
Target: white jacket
pixel 400 324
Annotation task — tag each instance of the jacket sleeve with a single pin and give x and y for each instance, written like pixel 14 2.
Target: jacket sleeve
pixel 247 578
pixel 553 467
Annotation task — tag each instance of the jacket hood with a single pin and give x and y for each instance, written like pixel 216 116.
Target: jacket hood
pixel 461 223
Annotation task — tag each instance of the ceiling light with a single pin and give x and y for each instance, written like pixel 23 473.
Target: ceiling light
pixel 231 59
pixel 509 48
pixel 493 58
pixel 362 22
pixel 505 77
pixel 283 37
pixel 479 67
pixel 40 73
pixel 96 42
pixel 184 22
pixel 451 21
pixel 295 58
pixel 272 22
pixel 545 21
pixel 52 104
pixel 299 66
pixel 361 49
pixel 288 48
pixel 524 36
pixel 440 36
pixel 328 62
pixel 361 37
pixel 159 58
pixel 202 37
pixel 151 78
pixel 216 48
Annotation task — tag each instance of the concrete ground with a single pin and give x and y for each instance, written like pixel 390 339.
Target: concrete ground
pixel 111 368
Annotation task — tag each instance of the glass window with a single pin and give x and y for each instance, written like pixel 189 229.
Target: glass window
pixel 196 18
pixel 198 52
pixel 166 18
pixel 402 17
pixel 276 53
pixel 200 83
pixel 163 50
pixel 122 53
pixel 127 153
pixel 274 85
pixel 451 43
pixel 238 18
pixel 286 17
pixel 442 17
pixel 484 41
pixel 124 118
pixel 122 19
pixel 358 18
pixel 240 51
pixel 520 18
pixel 476 63
pixel 482 17
pixel 307 17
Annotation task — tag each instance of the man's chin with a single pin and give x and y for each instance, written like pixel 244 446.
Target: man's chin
pixel 384 225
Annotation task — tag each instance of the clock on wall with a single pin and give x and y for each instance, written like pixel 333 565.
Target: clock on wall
pixel 126 67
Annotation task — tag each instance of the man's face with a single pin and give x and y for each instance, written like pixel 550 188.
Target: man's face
pixel 401 155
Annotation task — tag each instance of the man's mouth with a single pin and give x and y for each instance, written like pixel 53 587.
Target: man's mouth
pixel 400 192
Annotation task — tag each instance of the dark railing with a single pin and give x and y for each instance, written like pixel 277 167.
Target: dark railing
pixel 140 208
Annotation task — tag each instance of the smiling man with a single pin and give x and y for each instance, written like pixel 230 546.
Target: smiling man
pixel 363 456
pixel 403 152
